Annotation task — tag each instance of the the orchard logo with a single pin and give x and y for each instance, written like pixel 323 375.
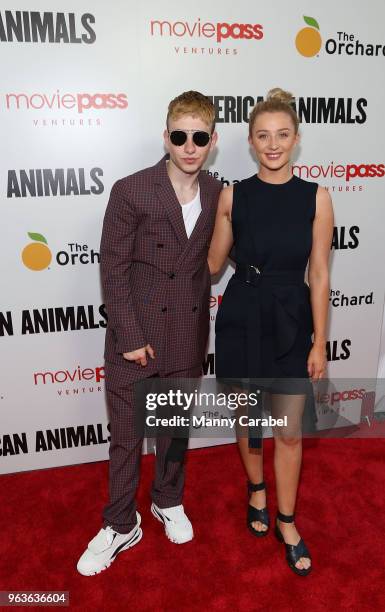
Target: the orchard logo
pixel 339 299
pixel 225 181
pixel 308 40
pixel 36 255
pixel 58 101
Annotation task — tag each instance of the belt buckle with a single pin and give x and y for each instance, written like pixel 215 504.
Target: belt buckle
pixel 256 269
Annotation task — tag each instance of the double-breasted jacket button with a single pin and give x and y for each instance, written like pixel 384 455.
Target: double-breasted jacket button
pixel 195 308
pixel 164 309
pixel 171 275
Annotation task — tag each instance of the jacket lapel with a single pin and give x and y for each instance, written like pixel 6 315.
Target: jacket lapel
pixel 167 196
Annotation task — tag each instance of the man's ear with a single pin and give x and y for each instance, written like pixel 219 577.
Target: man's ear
pixel 166 138
pixel 214 139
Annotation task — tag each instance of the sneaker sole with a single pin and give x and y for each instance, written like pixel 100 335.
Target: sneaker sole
pixel 134 540
pixel 160 518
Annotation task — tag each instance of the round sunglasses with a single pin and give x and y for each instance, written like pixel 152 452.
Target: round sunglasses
pixel 179 137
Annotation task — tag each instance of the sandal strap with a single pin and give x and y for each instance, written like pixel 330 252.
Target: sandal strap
pixel 252 488
pixel 285 518
pixel 295 552
pixel 255 514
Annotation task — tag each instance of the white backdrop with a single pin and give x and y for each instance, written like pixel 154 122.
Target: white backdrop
pixel 83 102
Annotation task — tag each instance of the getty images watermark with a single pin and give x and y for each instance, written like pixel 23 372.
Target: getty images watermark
pixel 210 410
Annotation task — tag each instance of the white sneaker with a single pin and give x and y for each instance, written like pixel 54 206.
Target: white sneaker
pixel 105 547
pixel 176 524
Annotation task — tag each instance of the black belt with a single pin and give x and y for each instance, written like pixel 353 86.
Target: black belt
pixel 253 275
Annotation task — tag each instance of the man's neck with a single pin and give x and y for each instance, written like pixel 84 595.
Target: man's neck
pixel 181 180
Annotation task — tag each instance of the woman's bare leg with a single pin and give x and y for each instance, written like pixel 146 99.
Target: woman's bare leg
pixel 287 462
pixel 252 459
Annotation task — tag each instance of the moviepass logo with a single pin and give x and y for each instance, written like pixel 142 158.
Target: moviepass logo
pixel 62 376
pixel 58 101
pixel 339 171
pixel 198 29
pixel 340 396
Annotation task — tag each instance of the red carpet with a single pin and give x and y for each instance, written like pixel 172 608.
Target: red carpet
pixel 48 516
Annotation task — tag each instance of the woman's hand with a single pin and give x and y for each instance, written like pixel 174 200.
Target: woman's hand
pixel 316 362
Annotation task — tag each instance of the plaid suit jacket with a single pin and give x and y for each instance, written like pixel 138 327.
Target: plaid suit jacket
pixel 156 281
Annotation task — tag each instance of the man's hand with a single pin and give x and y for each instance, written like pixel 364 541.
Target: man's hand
pixel 140 356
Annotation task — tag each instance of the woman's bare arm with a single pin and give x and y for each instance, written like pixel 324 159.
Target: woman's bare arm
pixel 222 239
pixel 319 274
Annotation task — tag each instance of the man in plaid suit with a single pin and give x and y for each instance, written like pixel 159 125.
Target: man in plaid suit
pixel 156 282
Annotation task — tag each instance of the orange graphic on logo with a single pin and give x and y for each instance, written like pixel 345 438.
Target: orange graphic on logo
pixel 36 256
pixel 308 40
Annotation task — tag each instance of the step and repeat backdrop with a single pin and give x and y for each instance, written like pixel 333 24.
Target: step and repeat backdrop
pixel 83 99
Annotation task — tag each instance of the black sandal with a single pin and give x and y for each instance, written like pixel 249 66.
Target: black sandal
pixel 293 551
pixel 255 514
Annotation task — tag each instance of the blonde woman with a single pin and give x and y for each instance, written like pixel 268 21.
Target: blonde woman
pixel 277 224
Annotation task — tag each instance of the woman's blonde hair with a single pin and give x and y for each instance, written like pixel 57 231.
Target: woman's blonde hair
pixel 277 101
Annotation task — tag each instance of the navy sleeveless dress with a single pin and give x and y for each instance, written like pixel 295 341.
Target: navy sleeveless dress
pixel 264 323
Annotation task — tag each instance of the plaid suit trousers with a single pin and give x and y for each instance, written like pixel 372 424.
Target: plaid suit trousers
pixel 126 450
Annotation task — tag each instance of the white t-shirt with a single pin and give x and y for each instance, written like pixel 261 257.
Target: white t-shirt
pixel 191 212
